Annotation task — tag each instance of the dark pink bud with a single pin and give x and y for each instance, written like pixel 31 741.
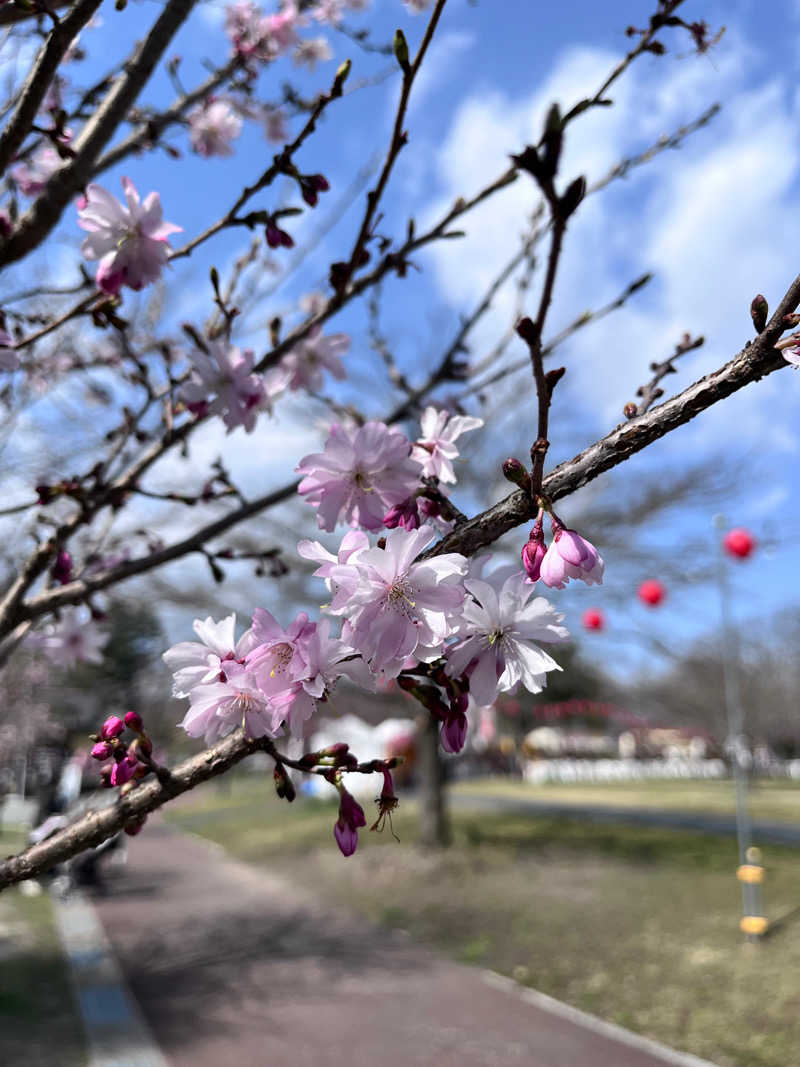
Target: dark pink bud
pixel 453 733
pixel 273 235
pixel 319 182
pixel 286 240
pixel 112 727
pixel 102 750
pixel 134 720
pixel 351 817
pixel 309 194
pixel 62 568
pixel 405 515
pixel 429 509
pixel 123 771
pixel 346 838
pixel 533 552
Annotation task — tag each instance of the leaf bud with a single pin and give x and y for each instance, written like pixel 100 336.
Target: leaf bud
pixel 400 48
pixel 514 472
pixel 759 312
pixel 572 197
pixel 630 410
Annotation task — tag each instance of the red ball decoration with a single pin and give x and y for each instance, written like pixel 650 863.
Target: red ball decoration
pixel 651 592
pixel 593 619
pixel 739 543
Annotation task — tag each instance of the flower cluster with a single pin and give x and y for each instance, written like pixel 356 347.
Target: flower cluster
pixel 569 556
pixel 130 761
pixel 222 383
pixel 372 476
pixel 268 679
pixel 213 127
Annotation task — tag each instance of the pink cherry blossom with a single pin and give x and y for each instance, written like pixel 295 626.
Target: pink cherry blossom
pixel 196 663
pixel 311 51
pixel 9 360
pixel 222 383
pixel 219 707
pixel 396 607
pixel 435 449
pixel 570 556
pixel 789 348
pixel 213 126
pixel 306 361
pixel 71 640
pixel 352 541
pixel 276 127
pixel 129 241
pixel 362 473
pixel 496 634
pixel 31 175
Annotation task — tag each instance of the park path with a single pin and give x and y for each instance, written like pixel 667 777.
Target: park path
pixel 232 965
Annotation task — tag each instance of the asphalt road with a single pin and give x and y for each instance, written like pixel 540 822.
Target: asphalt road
pixel 783 833
pixel 233 965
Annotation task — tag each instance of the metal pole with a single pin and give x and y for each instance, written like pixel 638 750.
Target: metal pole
pixel 735 716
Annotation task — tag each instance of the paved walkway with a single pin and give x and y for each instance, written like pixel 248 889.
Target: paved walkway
pixel 231 965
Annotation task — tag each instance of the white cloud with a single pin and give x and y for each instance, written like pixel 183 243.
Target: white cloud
pixel 716 221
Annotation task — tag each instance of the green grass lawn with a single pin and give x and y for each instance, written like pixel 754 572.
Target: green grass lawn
pixel 39 1026
pixel 637 925
pixel 777 801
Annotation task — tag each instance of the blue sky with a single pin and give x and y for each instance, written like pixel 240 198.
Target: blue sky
pixel 715 222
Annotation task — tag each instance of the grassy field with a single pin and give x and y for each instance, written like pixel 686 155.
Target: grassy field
pixel 777 801
pixel 39 1026
pixel 637 925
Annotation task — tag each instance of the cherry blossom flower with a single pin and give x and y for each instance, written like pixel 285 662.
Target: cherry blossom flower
pixel 276 127
pixel 71 640
pixel 217 708
pixel 329 11
pixel 9 360
pixel 306 361
pixel 496 636
pixel 396 607
pixel 225 373
pixel 32 175
pixel 311 51
pixel 435 450
pixel 789 348
pixel 362 473
pixel 352 541
pixel 570 556
pixel 213 127
pixel 129 241
pixel 199 662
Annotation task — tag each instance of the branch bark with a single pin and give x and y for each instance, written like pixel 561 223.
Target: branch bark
pixel 67 182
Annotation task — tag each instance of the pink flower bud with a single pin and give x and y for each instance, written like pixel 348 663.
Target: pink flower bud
pixel 351 817
pixel 405 515
pixel 134 720
pixel 533 552
pixel 102 750
pixel 570 556
pixel 123 771
pixel 453 733
pixel 112 727
pixel 62 568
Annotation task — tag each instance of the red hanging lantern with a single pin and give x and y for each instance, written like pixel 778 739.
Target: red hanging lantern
pixel 593 619
pixel 651 592
pixel 739 543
